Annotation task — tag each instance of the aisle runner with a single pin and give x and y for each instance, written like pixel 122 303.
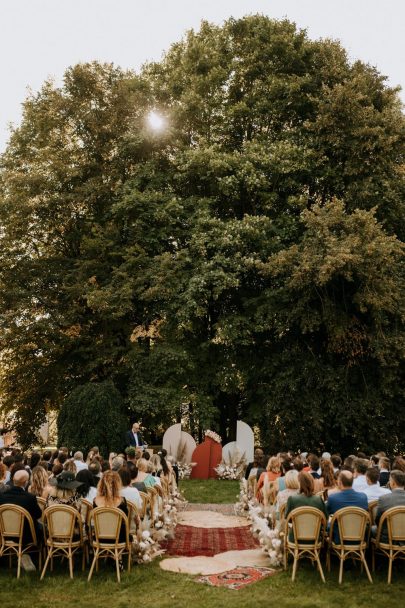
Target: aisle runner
pixel 191 541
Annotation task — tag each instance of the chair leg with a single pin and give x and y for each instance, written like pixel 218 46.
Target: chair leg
pixel 295 565
pixel 129 560
pixel 19 564
pixel 70 557
pixel 341 568
pixel 45 566
pixel 390 567
pixel 363 561
pixel 117 565
pixel 93 563
pixel 328 560
pixel 320 566
pixel 373 558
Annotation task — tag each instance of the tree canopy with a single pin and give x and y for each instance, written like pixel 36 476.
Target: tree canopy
pixel 246 262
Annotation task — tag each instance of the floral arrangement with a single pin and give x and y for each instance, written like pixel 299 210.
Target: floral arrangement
pixel 213 435
pixel 270 538
pixel 185 469
pixel 233 468
pixel 165 521
pixel 262 524
pixel 145 549
pixel 242 506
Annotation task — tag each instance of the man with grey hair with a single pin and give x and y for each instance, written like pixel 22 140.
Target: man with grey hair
pixel 17 495
pixel 78 459
pixel 396 498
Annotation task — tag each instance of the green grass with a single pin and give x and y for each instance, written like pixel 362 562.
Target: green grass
pixel 210 491
pixel 150 587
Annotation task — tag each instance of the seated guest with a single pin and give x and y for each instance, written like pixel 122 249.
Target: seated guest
pixel 271 474
pixel 384 468
pixel 346 497
pixel 88 489
pixel 56 470
pixel 336 462
pixel 306 496
pixel 314 464
pixel 143 475
pixel 64 491
pixel 46 457
pixel 95 469
pixel 298 464
pixel 39 482
pixel 292 487
pixel 92 454
pixel 8 462
pixel 327 482
pixel 360 468
pixel 348 463
pixel 258 459
pixel 152 470
pixel 374 491
pixel 280 483
pixel 117 463
pixel 17 495
pixel 127 491
pixel 34 460
pixel 109 495
pixel 396 498
pixel 139 485
pixel 398 464
pixel 79 461
pixel 70 466
pixel 3 476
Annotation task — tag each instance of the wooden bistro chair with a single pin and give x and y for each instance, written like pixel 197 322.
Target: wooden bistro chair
pixel 106 528
pixel 394 520
pixel 12 522
pixel 307 525
pixel 372 510
pixel 352 523
pixel 133 517
pixel 63 530
pixel 144 513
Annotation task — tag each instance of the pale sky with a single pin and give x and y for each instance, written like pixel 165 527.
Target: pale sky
pixel 41 38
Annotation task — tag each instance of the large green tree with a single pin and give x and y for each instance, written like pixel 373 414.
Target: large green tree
pixel 245 262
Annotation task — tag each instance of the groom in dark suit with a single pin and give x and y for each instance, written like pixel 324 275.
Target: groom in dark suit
pixel 134 437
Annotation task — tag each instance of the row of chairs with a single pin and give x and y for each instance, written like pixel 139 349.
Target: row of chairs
pixel 68 532
pixel 310 533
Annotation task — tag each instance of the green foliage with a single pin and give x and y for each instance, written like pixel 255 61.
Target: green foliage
pixel 93 415
pixel 246 263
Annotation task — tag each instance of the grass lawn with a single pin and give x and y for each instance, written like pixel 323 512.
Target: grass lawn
pixel 150 587
pixel 210 491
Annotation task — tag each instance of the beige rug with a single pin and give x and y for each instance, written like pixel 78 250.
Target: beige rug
pixel 209 519
pixel 222 562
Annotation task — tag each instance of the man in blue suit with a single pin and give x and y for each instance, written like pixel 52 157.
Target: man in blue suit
pixel 347 497
pixel 134 437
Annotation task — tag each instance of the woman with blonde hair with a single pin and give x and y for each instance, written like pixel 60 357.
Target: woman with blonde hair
pixel 109 495
pixel 40 482
pixel 270 475
pixel 292 487
pixel 143 474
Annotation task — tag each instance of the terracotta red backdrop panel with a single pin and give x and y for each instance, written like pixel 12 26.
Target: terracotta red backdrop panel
pixel 207 455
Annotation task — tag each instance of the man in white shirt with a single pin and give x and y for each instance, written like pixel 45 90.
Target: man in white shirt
pixel 360 468
pixel 374 490
pixel 79 461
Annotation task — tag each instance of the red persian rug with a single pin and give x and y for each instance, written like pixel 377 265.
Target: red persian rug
pixel 238 577
pixel 191 541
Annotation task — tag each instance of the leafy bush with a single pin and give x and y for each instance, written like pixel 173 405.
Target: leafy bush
pixel 93 415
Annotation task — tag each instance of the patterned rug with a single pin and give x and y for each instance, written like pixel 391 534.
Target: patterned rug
pixel 191 541
pixel 237 578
